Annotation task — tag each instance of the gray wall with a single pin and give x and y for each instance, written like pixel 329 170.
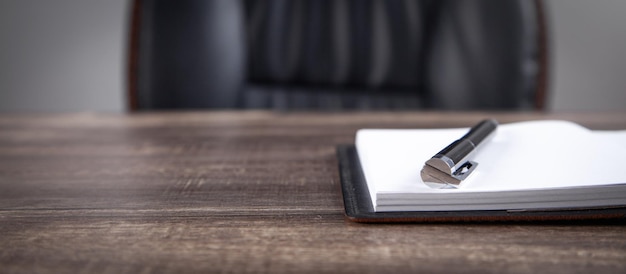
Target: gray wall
pixel 588 54
pixel 68 55
pixel 62 55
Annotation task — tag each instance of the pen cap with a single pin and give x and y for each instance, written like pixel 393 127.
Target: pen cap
pixel 456 151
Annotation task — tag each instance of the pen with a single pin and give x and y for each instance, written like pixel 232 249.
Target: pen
pixel 452 164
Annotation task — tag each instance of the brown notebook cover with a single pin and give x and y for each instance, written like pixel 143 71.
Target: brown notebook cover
pixel 358 205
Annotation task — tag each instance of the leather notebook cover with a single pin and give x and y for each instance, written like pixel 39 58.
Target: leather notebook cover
pixel 358 205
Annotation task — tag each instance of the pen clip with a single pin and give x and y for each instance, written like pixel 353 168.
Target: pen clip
pixel 436 178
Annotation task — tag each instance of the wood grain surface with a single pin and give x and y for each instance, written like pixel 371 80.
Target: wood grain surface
pixel 246 192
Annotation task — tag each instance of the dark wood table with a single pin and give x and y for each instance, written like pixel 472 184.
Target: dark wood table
pixel 246 192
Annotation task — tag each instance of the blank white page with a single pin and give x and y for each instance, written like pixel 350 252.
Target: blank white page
pixel 521 156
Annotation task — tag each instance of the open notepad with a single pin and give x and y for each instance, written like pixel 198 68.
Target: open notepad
pixel 526 166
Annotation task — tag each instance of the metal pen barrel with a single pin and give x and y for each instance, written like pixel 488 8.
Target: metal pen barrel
pixel 481 131
pixel 460 148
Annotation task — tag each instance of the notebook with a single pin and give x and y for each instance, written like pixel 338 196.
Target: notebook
pixel 536 165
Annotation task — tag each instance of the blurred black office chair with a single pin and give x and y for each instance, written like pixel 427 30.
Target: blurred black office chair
pixel 337 55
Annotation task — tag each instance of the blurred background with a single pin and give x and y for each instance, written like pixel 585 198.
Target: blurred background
pixel 71 55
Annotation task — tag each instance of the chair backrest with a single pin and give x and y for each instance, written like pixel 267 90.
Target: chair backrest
pixel 357 54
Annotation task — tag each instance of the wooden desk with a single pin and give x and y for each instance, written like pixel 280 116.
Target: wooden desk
pixel 245 192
